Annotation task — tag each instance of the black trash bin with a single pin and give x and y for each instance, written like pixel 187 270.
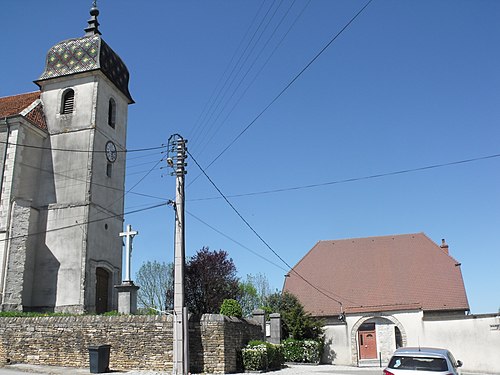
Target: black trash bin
pixel 99 358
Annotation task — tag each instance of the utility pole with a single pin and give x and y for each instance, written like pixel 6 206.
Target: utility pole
pixel 176 159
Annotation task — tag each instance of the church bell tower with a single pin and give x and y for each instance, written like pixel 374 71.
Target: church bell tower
pixel 78 255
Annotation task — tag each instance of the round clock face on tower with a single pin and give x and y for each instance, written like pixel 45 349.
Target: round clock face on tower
pixel 111 152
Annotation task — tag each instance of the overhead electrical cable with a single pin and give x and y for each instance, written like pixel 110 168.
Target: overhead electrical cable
pixel 197 122
pixel 84 151
pixel 261 238
pixel 254 62
pixel 236 242
pixel 354 179
pixel 223 99
pixel 287 86
pixel 81 180
pixel 141 156
pixel 87 222
pixel 223 88
pixel 136 184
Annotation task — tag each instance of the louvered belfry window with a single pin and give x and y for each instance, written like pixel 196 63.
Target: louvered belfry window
pixel 68 102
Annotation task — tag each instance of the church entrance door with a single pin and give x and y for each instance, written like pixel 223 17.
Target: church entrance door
pixel 102 287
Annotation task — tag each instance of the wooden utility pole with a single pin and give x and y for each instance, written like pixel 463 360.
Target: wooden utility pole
pixel 177 145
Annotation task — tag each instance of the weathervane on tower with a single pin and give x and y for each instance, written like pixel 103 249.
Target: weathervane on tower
pixel 93 27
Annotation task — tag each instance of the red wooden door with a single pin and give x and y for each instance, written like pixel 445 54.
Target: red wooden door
pixel 367 345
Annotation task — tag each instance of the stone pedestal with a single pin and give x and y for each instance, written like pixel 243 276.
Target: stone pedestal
pixel 260 316
pixel 127 298
pixel 275 328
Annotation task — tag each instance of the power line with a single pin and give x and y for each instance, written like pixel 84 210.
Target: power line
pixel 354 179
pixel 211 99
pixel 85 151
pixel 248 69
pixel 261 238
pixel 135 185
pixel 86 222
pixel 236 242
pixel 258 72
pixel 93 183
pixel 288 85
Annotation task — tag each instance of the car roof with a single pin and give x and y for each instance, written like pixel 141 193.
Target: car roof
pixel 422 351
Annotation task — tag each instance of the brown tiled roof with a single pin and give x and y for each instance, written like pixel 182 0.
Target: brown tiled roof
pixel 15 105
pixel 390 273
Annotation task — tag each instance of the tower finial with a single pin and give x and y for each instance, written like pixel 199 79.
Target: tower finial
pixel 93 27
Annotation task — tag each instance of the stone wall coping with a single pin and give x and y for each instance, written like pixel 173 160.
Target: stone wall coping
pixel 225 318
pixel 87 319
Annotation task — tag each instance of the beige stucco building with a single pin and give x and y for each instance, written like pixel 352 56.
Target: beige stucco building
pixel 379 293
pixel 62 181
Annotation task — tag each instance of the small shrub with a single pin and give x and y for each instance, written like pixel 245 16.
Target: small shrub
pixel 231 307
pixel 275 356
pixel 254 358
pixel 262 356
pixel 305 351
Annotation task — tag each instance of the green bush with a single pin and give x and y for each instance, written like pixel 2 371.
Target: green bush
pixel 262 356
pixel 254 358
pixel 275 356
pixel 231 307
pixel 305 351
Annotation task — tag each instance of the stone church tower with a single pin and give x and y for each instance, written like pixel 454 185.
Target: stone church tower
pixel 62 181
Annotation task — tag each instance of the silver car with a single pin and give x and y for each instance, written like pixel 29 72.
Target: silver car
pixel 421 361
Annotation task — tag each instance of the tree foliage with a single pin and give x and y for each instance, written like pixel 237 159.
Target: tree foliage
pixel 231 307
pixel 253 293
pixel 156 282
pixel 210 279
pixel 297 323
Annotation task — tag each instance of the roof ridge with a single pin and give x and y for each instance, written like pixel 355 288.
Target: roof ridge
pixel 23 94
pixel 373 237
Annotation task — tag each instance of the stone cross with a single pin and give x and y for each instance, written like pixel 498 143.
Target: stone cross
pixel 129 234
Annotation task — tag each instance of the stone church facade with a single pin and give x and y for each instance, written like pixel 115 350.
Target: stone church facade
pixel 62 181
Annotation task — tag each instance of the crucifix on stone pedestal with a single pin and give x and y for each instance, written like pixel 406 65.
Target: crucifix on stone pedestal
pixel 129 234
pixel 127 291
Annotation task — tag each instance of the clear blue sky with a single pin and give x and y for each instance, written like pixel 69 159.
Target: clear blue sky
pixel 409 84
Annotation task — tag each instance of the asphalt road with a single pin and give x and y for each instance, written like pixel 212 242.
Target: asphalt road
pixel 20 369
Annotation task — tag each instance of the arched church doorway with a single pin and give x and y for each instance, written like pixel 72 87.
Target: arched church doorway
pixel 102 290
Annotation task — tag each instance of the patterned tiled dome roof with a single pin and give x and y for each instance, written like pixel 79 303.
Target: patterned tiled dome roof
pixel 83 55
pixel 86 54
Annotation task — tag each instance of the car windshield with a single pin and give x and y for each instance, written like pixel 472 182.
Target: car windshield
pixel 418 363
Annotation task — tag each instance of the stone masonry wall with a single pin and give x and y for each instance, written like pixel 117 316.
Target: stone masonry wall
pixel 137 342
pixel 215 337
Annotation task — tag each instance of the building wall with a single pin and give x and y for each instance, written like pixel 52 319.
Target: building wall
pixel 18 216
pixel 337 343
pixel 342 339
pixel 474 339
pixel 77 195
pixel 137 342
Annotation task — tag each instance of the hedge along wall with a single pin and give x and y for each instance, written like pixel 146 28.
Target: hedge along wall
pixel 137 342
